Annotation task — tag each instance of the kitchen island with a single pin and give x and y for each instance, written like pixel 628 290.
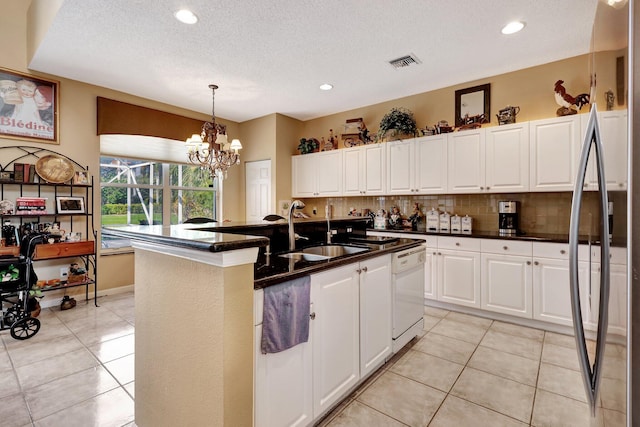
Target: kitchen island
pixel 194 309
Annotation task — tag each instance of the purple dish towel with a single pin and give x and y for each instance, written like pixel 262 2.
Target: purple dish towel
pixel 285 318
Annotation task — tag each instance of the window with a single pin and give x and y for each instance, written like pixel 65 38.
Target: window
pixel 149 192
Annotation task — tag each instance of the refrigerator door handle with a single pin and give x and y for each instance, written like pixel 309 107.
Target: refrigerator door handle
pixel 590 374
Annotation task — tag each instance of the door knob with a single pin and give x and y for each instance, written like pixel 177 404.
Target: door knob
pixel 312 315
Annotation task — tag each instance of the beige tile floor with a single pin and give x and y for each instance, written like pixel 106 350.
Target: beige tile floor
pixel 78 370
pixel 470 371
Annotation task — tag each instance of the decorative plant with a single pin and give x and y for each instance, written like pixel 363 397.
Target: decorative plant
pixel 307 145
pixel 399 119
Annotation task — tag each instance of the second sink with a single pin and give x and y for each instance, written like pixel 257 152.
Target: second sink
pixel 333 251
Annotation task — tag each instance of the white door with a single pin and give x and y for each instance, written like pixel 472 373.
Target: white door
pixel 374 165
pixel 329 173
pixel 375 313
pixel 336 334
pixel 400 167
pixel 257 190
pixel 304 175
pixel 506 284
pixel 431 273
pixel 352 173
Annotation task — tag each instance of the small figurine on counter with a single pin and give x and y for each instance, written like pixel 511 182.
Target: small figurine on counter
pixel 416 217
pixel 395 218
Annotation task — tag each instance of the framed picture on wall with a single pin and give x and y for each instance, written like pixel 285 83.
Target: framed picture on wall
pixel 69 205
pixel 28 107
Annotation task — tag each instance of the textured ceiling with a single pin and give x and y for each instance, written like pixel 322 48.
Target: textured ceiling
pixel 271 56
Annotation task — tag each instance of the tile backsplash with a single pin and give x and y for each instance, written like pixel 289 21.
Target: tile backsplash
pixel 540 213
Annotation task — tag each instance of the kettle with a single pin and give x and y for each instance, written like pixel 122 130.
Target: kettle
pixel 507 115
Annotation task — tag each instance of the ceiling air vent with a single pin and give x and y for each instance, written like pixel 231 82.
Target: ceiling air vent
pixel 404 61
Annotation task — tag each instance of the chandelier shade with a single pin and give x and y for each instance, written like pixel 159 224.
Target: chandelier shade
pixel 211 149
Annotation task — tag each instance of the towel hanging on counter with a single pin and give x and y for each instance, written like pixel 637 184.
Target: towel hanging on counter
pixel 285 318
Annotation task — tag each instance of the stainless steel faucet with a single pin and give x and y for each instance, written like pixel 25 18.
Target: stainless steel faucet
pixel 327 212
pixel 296 204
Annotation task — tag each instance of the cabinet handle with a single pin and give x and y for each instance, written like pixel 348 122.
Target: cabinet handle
pixel 528 262
pixel 435 253
pixel 620 184
pixel 364 269
pixel 457 243
pixel 482 188
pixel 439 253
pixel 536 263
pixel 488 188
pixel 505 248
pixel 359 270
pixel 562 251
pixel 312 316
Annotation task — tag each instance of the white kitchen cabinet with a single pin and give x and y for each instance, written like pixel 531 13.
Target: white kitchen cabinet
pixel 282 381
pixel 283 385
pixel 551 290
pixel 459 271
pixel 466 161
pixel 506 283
pixel 317 174
pixel 400 164
pixel 554 151
pixel 431 269
pixel 336 330
pixel 375 313
pixel 430 165
pixel 507 158
pixel 613 134
pixel 364 170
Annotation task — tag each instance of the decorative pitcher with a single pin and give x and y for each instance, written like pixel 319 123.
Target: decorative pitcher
pixel 507 115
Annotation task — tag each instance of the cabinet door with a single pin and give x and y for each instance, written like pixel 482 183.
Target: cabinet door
pixel 551 293
pixel 554 152
pixel 507 158
pixel 400 167
pixel 431 164
pixel 283 385
pixel 375 313
pixel 459 277
pixel 506 285
pixel 304 175
pixel 336 343
pixel 613 133
pixel 466 161
pixel 352 171
pixel 374 169
pixel 329 173
pixel 617 298
pixel 431 273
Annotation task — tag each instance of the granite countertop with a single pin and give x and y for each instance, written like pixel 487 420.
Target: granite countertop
pixel 187 237
pixel 270 270
pixel 542 237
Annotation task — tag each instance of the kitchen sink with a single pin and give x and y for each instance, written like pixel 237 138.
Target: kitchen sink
pixel 300 256
pixel 323 252
pixel 333 251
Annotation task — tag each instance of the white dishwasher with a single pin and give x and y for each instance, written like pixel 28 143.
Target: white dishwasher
pixel 408 295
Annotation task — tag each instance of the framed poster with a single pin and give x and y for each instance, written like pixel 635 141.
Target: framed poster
pixel 69 205
pixel 28 107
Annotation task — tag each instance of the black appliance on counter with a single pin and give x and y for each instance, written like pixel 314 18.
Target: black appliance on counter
pixel 508 218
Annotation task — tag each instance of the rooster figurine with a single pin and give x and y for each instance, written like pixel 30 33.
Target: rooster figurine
pixel 567 102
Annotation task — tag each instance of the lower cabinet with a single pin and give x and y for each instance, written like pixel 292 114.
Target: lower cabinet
pixel 349 337
pixel 459 271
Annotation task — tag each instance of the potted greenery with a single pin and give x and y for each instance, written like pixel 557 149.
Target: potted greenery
pixel 307 146
pixel 396 122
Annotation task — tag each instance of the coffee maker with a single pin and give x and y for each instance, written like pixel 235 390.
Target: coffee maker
pixel 508 218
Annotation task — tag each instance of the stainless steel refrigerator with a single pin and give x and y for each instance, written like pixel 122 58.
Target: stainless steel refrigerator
pixel 612 385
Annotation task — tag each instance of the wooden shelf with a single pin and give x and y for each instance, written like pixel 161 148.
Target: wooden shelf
pixel 10 250
pixel 63 250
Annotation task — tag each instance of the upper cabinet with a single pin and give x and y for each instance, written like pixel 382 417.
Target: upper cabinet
pixel 317 175
pixel 613 134
pixel 507 158
pixel 364 170
pixel 554 150
pixel 466 161
pixel 417 166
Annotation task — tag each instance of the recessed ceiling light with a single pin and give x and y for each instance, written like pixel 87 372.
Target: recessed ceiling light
pixel 326 86
pixel 512 27
pixel 186 16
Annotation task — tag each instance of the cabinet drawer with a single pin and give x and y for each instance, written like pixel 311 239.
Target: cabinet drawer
pixel 618 255
pixel 62 250
pixel 558 251
pixel 459 243
pixel 507 247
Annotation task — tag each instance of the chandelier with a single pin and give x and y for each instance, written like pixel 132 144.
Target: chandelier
pixel 211 150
